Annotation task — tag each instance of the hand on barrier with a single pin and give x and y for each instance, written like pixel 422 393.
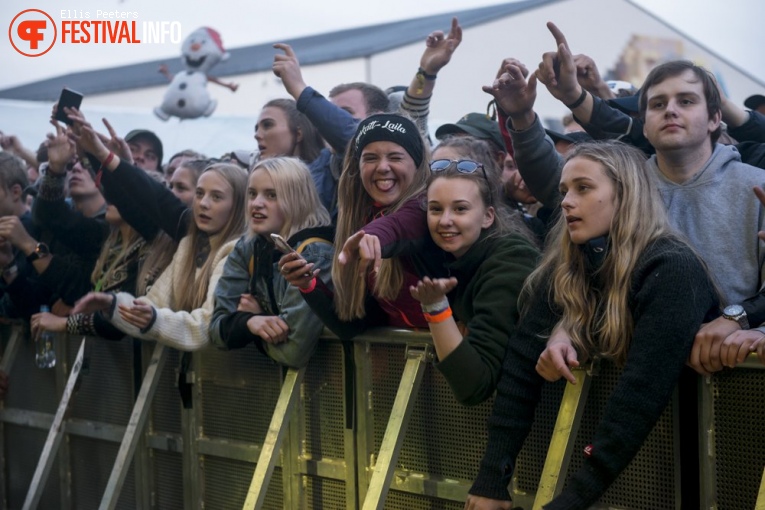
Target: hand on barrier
pixel 365 248
pixel 297 270
pixel 760 349
pixel 138 314
pixel 480 503
pixel 270 328
pixel 737 346
pixel 705 355
pixel 558 358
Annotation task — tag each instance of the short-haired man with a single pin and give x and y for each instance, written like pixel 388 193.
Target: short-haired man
pixel 146 149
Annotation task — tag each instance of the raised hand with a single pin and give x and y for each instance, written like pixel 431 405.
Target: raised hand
pixel 439 48
pixel 430 291
pixel 365 248
pixel 61 149
pixel 589 78
pixel 514 95
pixel 557 71
pixel 287 67
pixel 116 143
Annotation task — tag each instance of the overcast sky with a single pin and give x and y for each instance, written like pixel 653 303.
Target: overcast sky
pixel 741 39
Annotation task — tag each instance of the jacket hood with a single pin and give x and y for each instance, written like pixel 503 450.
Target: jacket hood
pixel 721 156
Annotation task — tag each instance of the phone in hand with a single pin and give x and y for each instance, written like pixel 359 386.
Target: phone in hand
pixel 281 244
pixel 69 99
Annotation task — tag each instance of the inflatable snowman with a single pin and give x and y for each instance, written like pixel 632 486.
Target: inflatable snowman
pixel 186 96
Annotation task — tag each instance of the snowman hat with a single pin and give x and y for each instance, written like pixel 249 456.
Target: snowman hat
pixel 216 38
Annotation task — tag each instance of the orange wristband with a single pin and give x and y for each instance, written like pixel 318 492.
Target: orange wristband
pixel 441 316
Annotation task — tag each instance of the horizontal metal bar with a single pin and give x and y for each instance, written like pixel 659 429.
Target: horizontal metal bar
pixel 229 449
pixel 165 442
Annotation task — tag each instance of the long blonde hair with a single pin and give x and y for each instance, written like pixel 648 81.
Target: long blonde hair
pixel 354 206
pixel 601 322
pixel 108 265
pixel 296 194
pixel 191 292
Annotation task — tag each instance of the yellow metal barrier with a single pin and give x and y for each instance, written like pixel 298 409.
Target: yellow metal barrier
pixel 367 424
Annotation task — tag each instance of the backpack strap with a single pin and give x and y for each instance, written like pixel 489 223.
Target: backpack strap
pixel 311 240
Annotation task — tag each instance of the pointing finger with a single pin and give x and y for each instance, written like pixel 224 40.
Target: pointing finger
pixel 557 34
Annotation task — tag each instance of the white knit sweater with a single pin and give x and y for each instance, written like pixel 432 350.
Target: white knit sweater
pixel 186 331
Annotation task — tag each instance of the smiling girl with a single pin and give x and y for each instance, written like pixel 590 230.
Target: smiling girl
pixel 490 257
pixel 253 301
pixel 615 283
pixel 380 217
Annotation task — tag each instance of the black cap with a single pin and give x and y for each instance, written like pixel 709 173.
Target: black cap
pixel 755 101
pixel 153 139
pixel 572 137
pixel 478 125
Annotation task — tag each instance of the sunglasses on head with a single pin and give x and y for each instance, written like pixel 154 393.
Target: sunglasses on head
pixel 463 166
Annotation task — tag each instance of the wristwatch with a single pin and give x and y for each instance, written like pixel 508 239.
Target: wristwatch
pixel 41 251
pixel 736 313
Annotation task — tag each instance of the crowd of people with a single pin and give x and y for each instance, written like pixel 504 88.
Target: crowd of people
pixel 526 253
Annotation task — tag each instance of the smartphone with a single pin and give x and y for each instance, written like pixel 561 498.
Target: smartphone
pixel 69 99
pixel 281 244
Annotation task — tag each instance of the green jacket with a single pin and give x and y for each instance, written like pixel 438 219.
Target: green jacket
pixel 490 277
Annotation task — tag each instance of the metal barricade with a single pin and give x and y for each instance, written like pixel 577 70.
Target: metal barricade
pixel 367 424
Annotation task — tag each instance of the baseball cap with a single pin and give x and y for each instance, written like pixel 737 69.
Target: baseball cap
pixel 478 125
pixel 148 135
pixel 755 101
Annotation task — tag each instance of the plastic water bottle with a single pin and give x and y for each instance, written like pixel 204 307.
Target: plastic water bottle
pixel 45 349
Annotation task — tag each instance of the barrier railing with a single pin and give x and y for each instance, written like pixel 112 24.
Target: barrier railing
pixel 367 424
